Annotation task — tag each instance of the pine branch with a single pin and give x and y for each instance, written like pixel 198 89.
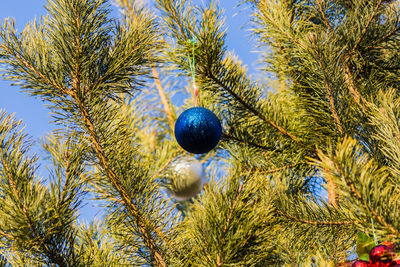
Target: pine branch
pixel 38 239
pixel 101 247
pixel 331 187
pixel 228 220
pixel 235 235
pixel 329 93
pixel 314 223
pixel 277 169
pixel 13 53
pixel 308 224
pixel 141 222
pixel 322 12
pixel 79 31
pixel 383 38
pixel 41 220
pixel 250 108
pixel 365 29
pixel 358 98
pixel 215 68
pixel 375 213
pixel 247 142
pixel 383 116
pixel 364 180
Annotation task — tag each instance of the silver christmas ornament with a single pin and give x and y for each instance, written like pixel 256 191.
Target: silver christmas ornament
pixel 186 178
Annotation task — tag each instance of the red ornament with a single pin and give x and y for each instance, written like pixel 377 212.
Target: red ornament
pixel 395 263
pixel 380 264
pixel 360 263
pixel 381 256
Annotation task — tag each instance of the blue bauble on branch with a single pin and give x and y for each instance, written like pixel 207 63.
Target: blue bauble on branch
pixel 198 130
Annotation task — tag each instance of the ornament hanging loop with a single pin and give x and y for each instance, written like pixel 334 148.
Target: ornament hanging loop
pixel 196 92
pixel 192 65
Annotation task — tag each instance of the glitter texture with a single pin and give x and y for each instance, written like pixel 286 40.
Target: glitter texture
pixel 198 130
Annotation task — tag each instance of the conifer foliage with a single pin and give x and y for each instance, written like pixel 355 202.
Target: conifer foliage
pixel 327 121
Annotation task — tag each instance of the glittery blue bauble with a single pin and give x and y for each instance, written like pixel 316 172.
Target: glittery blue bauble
pixel 198 130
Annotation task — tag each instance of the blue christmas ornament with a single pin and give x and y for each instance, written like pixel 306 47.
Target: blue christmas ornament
pixel 198 130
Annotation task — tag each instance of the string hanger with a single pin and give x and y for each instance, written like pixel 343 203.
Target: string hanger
pixel 192 66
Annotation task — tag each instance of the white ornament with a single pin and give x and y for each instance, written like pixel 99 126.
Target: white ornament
pixel 187 178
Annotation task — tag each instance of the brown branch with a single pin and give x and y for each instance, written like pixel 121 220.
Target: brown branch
pixel 6 235
pixel 331 188
pixel 331 100
pixel 231 137
pixel 366 26
pixel 164 99
pixel 349 79
pixel 315 223
pixel 326 21
pixel 277 169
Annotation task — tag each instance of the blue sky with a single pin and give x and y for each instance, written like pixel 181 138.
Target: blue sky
pixel 32 111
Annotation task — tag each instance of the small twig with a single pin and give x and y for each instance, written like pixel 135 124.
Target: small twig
pixel 104 193
pixel 230 137
pixel 366 26
pixel 383 38
pixel 349 79
pixel 330 96
pixel 352 86
pixel 164 99
pixel 165 165
pixel 326 21
pixel 315 223
pixel 277 169
pixel 6 235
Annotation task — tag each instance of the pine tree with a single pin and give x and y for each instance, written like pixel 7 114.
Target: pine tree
pixel 327 121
